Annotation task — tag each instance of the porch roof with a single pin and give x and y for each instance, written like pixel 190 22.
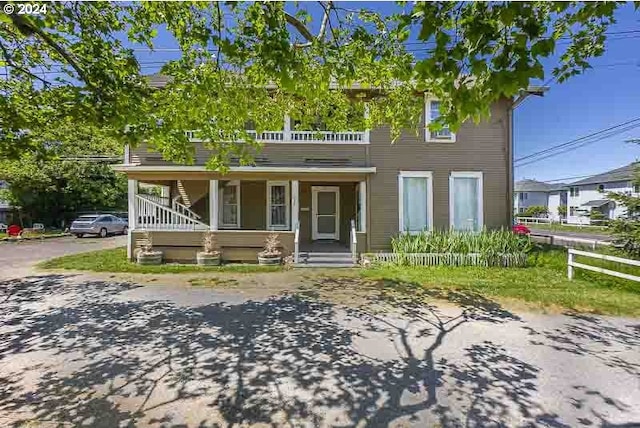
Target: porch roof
pixel 248 169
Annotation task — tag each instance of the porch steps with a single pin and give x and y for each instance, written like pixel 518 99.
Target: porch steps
pixel 325 260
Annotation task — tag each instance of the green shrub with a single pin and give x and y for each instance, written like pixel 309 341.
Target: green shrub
pixel 487 243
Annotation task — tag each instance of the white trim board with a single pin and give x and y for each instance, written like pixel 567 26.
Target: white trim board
pixel 257 169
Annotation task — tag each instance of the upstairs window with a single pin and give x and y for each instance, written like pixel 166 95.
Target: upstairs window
pixel 432 112
pixel 636 188
pixel 574 191
pixel 523 196
pixel 600 188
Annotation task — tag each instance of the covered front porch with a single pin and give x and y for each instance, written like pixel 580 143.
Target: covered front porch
pixel 311 214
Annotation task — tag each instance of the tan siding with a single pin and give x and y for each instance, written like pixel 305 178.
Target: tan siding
pixel 274 154
pixel 253 205
pixel 482 147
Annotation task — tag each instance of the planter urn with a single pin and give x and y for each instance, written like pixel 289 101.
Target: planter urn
pixel 208 259
pixel 150 258
pixel 270 260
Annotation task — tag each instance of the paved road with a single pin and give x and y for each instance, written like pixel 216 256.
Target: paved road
pixel 579 235
pixel 93 352
pixel 18 257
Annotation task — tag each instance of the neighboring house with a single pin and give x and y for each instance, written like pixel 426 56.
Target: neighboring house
pixel 529 193
pixel 5 208
pixel 591 194
pixel 328 188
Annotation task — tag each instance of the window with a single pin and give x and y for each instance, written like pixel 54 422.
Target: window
pixel 432 112
pixel 523 196
pixel 465 201
pixel 636 188
pixel 573 211
pixel 574 191
pixel 415 201
pixel 600 188
pixel 230 204
pixel 520 210
pixel 105 219
pixel 278 205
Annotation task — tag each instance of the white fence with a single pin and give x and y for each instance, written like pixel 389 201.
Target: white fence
pixel 562 221
pixel 571 264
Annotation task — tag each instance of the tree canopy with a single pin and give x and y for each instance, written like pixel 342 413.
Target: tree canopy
pixel 255 61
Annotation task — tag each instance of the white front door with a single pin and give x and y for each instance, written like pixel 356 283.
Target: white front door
pixel 325 212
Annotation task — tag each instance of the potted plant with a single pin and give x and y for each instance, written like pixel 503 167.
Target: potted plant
pixel 271 255
pixel 210 254
pixel 147 255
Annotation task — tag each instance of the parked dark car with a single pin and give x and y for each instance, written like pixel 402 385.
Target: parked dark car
pixel 99 224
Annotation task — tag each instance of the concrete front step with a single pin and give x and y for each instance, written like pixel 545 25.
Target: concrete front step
pixel 327 259
pixel 324 265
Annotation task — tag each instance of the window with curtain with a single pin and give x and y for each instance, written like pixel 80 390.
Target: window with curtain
pixel 465 195
pixel 415 203
pixel 230 205
pixel 432 113
pixel 278 205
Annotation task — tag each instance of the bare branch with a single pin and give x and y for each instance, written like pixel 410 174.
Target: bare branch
pixel 304 31
pixel 325 19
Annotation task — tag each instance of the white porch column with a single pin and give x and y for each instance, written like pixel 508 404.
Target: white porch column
pixel 295 203
pixel 213 205
pixel 127 155
pixel 362 187
pixel 367 135
pixel 132 191
pixel 287 128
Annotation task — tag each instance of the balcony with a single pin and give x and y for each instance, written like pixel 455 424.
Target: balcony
pixel 302 137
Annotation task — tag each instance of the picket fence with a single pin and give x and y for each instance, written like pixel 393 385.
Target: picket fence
pixel 449 259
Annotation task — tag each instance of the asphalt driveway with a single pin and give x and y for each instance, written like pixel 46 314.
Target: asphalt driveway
pixel 76 351
pixel 17 258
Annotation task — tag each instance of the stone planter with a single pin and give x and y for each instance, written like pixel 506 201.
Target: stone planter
pixel 150 258
pixel 269 260
pixel 208 259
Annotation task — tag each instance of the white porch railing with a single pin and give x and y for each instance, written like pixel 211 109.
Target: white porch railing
pixel 327 137
pixel 153 216
pixel 157 199
pixel 299 136
pixel 354 242
pixel 184 210
pixel 296 243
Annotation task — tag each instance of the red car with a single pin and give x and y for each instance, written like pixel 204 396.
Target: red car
pixel 520 229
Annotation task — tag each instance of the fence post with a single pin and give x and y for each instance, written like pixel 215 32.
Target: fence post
pixel 570 264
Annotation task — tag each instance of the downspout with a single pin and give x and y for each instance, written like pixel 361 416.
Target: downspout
pixel 510 165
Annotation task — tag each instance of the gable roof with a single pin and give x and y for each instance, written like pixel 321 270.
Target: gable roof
pixel 618 174
pixel 533 186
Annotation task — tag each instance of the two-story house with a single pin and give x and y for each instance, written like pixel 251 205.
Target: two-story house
pixel 328 191
pixel 590 194
pixel 528 193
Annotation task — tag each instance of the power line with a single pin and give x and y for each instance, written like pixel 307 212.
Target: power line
pixel 577 140
pixel 600 138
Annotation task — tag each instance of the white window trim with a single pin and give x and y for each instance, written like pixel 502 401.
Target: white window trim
pixel 467 174
pixel 423 174
pixel 236 184
pixel 427 119
pixel 287 191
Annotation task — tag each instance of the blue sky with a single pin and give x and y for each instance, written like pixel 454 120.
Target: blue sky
pixel 604 96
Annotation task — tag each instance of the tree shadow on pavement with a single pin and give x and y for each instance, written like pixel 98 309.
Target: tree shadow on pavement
pixel 87 353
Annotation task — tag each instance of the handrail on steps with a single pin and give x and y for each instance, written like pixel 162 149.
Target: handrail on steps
pixel 354 242
pixel 185 219
pixel 296 243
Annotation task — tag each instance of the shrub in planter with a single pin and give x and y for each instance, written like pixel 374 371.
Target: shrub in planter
pixel 147 255
pixel 210 254
pixel 271 255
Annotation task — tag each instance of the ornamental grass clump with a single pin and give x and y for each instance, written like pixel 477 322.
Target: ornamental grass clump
pixel 489 245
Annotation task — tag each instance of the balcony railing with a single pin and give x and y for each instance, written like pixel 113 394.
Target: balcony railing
pixel 350 137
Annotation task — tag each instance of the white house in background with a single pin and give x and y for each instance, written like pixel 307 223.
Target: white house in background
pixel 591 194
pixel 529 193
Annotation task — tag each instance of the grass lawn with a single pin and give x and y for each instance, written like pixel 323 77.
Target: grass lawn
pixel 543 283
pixel 570 228
pixel 115 260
